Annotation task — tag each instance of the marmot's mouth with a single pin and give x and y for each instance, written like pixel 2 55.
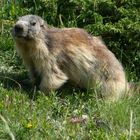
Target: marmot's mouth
pixel 16 36
pixel 19 36
pixel 22 37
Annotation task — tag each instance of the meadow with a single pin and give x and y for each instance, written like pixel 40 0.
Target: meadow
pixel 70 113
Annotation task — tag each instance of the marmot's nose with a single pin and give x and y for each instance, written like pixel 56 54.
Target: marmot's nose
pixel 18 28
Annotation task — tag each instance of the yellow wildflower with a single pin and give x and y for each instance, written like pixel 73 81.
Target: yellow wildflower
pixel 29 125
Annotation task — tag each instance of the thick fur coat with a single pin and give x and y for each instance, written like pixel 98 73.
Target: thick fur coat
pixel 58 55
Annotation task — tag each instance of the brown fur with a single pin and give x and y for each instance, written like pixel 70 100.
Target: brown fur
pixel 57 55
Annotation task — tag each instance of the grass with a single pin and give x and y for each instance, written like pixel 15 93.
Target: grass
pixel 28 114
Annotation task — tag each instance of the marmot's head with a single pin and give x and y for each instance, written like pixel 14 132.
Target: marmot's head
pixel 28 27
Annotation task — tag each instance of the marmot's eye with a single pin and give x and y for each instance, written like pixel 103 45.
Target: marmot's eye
pixel 33 23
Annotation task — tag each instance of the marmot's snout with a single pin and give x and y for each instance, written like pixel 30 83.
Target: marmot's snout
pixel 20 30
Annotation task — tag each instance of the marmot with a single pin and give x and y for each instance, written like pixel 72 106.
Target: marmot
pixel 57 55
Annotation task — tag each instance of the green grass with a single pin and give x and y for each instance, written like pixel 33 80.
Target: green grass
pixel 28 114
pixel 49 117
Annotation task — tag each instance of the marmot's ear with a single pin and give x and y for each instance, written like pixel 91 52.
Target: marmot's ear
pixel 43 23
pixel 40 20
pixel 44 26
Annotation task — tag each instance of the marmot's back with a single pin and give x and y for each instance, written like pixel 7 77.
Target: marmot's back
pixel 79 42
pixel 67 36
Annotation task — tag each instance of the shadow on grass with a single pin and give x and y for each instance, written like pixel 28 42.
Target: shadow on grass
pixel 16 81
pixel 20 81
